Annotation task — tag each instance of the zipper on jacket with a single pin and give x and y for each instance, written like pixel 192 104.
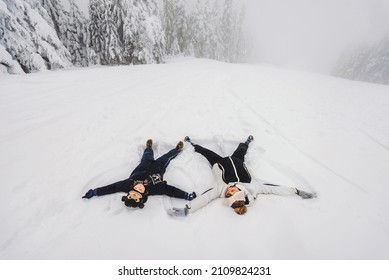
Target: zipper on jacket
pixel 236 173
pixel 222 169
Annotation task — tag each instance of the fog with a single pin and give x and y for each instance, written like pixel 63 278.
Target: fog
pixel 310 35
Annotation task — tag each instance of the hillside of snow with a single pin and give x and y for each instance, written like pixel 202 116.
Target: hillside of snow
pixel 64 132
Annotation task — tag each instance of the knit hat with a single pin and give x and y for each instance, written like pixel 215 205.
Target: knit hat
pixel 238 196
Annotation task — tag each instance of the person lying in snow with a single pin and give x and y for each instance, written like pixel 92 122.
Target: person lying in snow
pixel 232 181
pixel 146 179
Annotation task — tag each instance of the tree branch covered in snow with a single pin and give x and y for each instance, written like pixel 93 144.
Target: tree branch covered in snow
pixel 43 35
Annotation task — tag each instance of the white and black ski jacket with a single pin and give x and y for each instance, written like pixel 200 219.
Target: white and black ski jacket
pixel 251 190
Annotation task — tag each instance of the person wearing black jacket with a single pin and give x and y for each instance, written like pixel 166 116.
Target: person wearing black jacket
pixel 146 179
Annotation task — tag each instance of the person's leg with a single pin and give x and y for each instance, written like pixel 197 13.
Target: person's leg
pixel 211 156
pixel 241 151
pixel 166 158
pixel 147 157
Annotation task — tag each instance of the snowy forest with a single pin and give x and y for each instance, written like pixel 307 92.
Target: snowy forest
pixel 365 62
pixel 37 35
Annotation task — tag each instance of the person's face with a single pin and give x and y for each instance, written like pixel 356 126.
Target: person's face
pixel 134 195
pixel 231 190
pixel 140 188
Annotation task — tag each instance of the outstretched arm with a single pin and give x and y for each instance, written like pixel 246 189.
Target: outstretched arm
pixel 121 186
pixel 202 200
pixel 165 189
pixel 269 188
pixel 195 204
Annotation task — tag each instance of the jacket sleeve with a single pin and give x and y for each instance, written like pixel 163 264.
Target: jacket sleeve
pixel 262 187
pixel 121 186
pixel 164 189
pixel 203 199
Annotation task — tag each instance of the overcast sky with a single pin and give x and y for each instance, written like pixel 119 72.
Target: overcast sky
pixel 309 34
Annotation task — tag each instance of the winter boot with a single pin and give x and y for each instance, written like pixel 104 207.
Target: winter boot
pixel 249 139
pixel 187 139
pixel 149 143
pixel 179 146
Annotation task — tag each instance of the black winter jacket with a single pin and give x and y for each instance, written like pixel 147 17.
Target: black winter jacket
pixel 159 187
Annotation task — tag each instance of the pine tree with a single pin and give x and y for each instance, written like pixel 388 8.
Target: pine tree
pixel 96 10
pixel 104 38
pixel 241 45
pixel 377 69
pixel 175 26
pixel 203 34
pixel 118 17
pixel 227 36
pixel 144 38
pixel 59 17
pixel 233 41
pixel 77 36
pixel 28 35
pixel 365 63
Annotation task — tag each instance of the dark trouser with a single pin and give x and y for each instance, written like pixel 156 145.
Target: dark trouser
pixel 213 157
pixel 159 165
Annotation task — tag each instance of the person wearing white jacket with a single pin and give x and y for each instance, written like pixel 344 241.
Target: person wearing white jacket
pixel 233 182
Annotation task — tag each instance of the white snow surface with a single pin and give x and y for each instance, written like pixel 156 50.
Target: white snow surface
pixel 64 132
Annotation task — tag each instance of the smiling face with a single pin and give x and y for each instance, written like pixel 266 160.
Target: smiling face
pixel 231 190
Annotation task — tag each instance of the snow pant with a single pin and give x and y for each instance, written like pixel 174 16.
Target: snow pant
pixel 151 166
pixel 213 157
pixel 233 167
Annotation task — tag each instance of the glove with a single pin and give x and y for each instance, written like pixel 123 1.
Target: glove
pixel 89 194
pixel 305 195
pixel 178 212
pixel 190 196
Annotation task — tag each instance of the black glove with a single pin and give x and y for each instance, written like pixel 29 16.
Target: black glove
pixel 305 195
pixel 190 196
pixel 89 194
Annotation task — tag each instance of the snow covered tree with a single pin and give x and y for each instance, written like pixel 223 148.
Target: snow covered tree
pixel 29 38
pixel 365 63
pixel 232 38
pixel 203 34
pixel 175 26
pixel 118 17
pixel 7 64
pixel 104 37
pixel 377 68
pixel 77 36
pixel 96 10
pixel 144 37
pixel 59 17
pixel 241 43
pixel 216 31
pixel 42 34
pixel 227 31
pixel 352 62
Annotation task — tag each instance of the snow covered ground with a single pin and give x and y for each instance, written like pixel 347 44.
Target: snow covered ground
pixel 64 132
